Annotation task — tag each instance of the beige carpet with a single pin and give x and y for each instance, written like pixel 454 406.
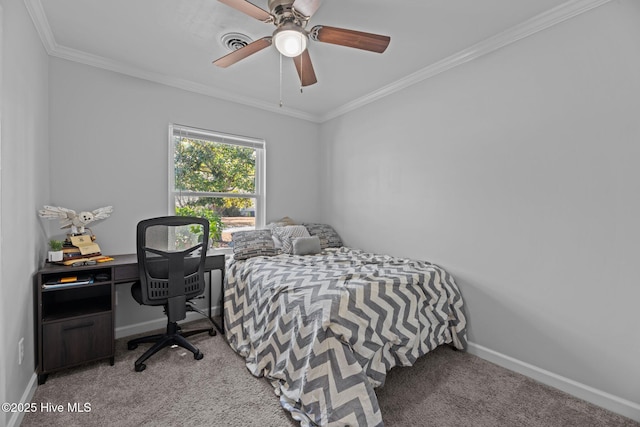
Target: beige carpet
pixel 444 388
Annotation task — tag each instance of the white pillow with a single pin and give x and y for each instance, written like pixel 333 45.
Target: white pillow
pixel 288 233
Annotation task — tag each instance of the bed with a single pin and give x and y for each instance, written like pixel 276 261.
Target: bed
pixel 326 327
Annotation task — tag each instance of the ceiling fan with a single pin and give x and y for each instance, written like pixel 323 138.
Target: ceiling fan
pixel 290 36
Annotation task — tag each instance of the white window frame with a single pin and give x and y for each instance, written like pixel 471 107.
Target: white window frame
pixel 177 130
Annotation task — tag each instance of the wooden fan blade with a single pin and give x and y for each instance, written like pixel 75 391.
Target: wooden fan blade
pixel 243 52
pixel 249 9
pixel 307 7
pixel 305 69
pixel 350 38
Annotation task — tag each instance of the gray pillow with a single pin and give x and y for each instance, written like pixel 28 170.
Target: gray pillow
pixel 250 243
pixel 328 236
pixel 306 245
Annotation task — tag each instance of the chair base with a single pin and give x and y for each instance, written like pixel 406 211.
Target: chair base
pixel 173 336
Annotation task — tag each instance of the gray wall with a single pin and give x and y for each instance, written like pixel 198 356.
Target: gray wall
pixel 109 146
pixel 517 172
pixel 24 155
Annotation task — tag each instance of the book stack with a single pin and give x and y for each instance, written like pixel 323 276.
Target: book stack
pixel 67 281
pixel 70 252
pixel 81 249
pixel 80 246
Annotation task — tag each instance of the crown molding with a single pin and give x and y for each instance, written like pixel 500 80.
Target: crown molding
pixel 188 85
pixel 39 18
pixel 559 14
pixel 532 26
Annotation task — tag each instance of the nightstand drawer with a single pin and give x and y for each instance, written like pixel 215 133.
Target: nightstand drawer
pixel 82 339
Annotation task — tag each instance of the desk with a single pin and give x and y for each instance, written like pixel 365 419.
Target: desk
pixel 125 270
pixel 75 324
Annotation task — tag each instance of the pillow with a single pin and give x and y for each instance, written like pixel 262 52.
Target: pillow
pixel 251 243
pixel 288 233
pixel 328 236
pixel 287 221
pixel 272 226
pixel 306 245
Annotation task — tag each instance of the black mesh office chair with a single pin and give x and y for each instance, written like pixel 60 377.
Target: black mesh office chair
pixel 171 256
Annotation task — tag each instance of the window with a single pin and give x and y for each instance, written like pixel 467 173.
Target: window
pixel 219 177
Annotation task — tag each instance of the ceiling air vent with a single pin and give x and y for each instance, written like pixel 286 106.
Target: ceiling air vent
pixel 235 41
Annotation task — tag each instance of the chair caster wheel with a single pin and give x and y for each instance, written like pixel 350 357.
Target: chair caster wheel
pixel 141 367
pixel 198 355
pixel 132 346
pixel 212 332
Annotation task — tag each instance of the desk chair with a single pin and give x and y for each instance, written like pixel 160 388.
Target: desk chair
pixel 171 255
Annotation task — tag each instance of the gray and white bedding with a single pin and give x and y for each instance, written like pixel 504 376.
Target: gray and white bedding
pixel 325 329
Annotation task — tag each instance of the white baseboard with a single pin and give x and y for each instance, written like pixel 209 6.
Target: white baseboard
pixel 16 418
pixel 582 391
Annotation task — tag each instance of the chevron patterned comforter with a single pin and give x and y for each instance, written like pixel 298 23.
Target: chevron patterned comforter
pixel 325 329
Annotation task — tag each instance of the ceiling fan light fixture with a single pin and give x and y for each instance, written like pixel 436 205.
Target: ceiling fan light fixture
pixel 290 40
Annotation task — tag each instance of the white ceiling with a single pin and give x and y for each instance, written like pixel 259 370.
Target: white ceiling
pixel 175 41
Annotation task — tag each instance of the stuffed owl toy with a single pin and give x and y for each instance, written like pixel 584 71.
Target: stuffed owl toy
pixel 70 219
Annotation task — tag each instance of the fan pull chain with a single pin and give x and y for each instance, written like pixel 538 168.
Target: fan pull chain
pixel 280 80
